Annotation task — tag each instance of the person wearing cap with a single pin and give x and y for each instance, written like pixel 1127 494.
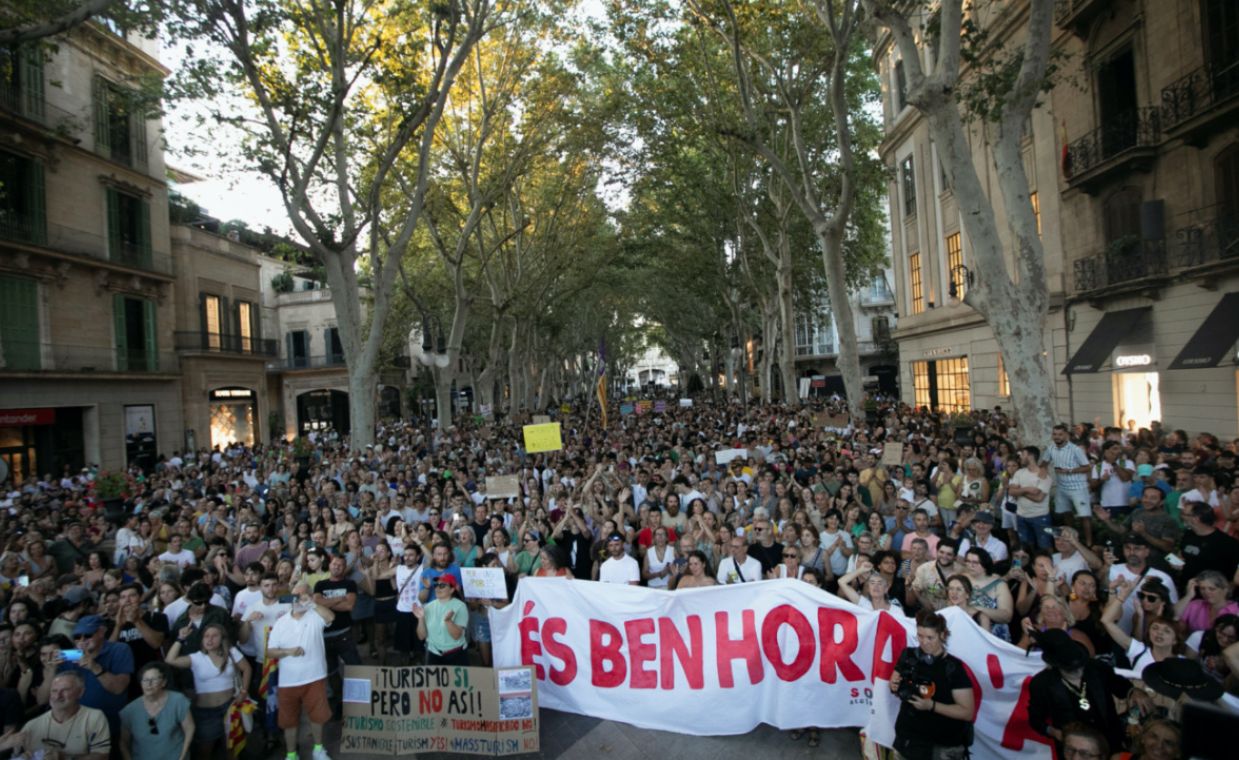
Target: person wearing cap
pixel 1076 688
pixel 105 669
pixel 1135 570
pixel 984 538
pixel 443 624
pixel 619 567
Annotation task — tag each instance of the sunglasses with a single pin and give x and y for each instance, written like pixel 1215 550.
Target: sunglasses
pixel 154 726
pixel 790 556
pixel 443 585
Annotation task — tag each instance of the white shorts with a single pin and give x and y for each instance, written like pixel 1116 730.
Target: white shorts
pixel 1065 500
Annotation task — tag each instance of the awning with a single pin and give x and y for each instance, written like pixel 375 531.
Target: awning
pixel 1113 327
pixel 1215 340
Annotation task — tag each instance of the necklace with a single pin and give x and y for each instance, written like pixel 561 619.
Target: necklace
pixel 1078 693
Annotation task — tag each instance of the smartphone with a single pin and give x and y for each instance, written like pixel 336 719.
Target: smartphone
pixel 71 655
pixel 1016 563
pixel 23 581
pixel 287 599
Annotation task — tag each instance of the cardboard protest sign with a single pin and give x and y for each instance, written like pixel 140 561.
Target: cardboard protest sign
pixel 543 437
pixel 723 456
pixel 565 408
pixel 484 583
pixel 686 403
pixel 892 454
pixel 660 407
pixel 502 486
pixel 476 711
pixel 484 410
pixel 541 419
pixel 627 408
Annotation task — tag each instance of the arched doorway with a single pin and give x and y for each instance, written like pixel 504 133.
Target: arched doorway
pixel 321 410
pixel 234 416
pixel 389 402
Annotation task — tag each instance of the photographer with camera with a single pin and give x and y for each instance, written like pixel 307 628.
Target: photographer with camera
pixel 936 714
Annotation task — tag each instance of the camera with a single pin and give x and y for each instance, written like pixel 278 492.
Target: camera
pixel 914 683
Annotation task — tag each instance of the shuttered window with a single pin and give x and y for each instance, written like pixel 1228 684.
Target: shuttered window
pixel 19 324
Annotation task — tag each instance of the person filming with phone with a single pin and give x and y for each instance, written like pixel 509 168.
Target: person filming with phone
pixel 937 705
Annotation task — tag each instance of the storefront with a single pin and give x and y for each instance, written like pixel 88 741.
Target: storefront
pixel 234 416
pixel 1122 344
pixel 40 441
pixel 942 384
pixel 323 410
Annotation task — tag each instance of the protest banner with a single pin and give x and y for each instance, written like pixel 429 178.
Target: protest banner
pixel 779 652
pixel 724 456
pixel 484 583
pixel 502 486
pixel 544 437
pixel 892 454
pixel 475 711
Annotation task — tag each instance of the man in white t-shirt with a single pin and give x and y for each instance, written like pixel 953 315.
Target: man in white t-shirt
pixel 1136 569
pixel 1111 479
pixel 739 567
pixel 177 555
pixel 619 567
pixel 258 616
pixel 1030 487
pixel 297 640
pixel 1071 556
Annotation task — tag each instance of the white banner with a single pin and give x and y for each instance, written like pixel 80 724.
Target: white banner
pixel 724 659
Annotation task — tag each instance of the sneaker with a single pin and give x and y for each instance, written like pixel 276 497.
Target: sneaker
pixel 320 753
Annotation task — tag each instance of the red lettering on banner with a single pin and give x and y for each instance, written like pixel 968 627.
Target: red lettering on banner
pixel 838 654
pixel 994 666
pixel 530 648
pixel 639 653
pixel 1018 730
pixel 890 631
pixel 785 614
pixel 671 645
pixel 745 648
pixel 559 650
pixel 976 691
pixel 607 653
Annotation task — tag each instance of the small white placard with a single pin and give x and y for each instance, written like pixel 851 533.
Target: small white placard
pixel 484 583
pixel 357 690
pixel 725 456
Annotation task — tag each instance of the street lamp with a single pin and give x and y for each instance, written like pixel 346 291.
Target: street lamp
pixel 433 354
pixel 958 273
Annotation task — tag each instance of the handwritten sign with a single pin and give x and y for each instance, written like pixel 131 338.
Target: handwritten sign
pixel 660 407
pixel 543 437
pixel 725 456
pixel 476 711
pixel 484 583
pixel 502 487
pixel 892 454
pixel 686 403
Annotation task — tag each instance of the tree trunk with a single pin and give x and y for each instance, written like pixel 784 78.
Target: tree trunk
pixel 787 332
pixel 443 397
pixel 831 240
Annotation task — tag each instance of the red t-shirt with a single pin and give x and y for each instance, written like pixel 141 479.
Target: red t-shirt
pixel 645 538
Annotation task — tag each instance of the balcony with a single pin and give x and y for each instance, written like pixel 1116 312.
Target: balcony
pixel 876 299
pixel 287 363
pixel 1202 103
pixel 1122 263
pixel 78 243
pixel 1124 143
pixel 1076 15
pixel 94 360
pixel 1205 243
pixel 215 343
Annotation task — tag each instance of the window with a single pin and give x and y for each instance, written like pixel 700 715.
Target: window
pixel 1035 201
pixel 19 324
pixel 129 229
pixel 23 215
pixel 955 263
pixel 908 178
pixel 1004 382
pixel 915 285
pixel 1222 46
pixel 21 81
pixel 942 384
pixel 298 348
pixel 814 335
pixel 901 87
pixel 212 322
pixel 136 343
pixel 879 290
pixel 245 326
pixel 881 328
pixel 1117 106
pixel 335 351
pixel 120 127
pixel 1121 222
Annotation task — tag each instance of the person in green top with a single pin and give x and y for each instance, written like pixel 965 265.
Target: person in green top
pixel 529 559
pixel 442 625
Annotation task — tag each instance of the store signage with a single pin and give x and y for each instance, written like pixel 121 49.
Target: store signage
pixel 1132 360
pixel 19 417
pixel 232 393
pixel 942 351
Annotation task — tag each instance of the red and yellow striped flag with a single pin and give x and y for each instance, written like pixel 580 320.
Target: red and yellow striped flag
pixel 238 731
pixel 602 399
pixel 269 664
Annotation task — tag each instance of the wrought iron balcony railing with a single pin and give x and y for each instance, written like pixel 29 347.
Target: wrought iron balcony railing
pixel 226 344
pixel 1138 128
pixel 1199 92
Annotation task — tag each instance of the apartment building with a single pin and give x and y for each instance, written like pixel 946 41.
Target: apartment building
pixel 88 373
pixel 817 342
pixel 1133 164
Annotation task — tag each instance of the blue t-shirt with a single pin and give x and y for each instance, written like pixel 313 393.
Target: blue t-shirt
pixel 113 658
pixel 431 574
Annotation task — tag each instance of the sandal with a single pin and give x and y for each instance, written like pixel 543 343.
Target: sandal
pixel 796 733
pixel 814 737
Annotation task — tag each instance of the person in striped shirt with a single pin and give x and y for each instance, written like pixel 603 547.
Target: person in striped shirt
pixel 1071 494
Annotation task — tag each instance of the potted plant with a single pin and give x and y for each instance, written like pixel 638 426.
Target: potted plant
pixel 962 423
pixel 112 489
pixel 302 450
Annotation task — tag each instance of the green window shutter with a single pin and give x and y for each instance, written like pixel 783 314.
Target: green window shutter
pixel 116 247
pixel 19 324
pixel 144 233
pixel 36 203
pixel 32 82
pixel 122 345
pixel 103 142
pixel 288 348
pixel 152 339
pixel 137 134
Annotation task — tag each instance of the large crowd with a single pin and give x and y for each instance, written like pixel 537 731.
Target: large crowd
pixel 149 628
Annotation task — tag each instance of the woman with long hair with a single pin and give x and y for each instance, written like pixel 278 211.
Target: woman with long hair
pixel 1164 639
pixel 697 572
pixel 221 675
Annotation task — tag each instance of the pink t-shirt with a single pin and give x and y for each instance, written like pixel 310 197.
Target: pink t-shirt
pixel 931 540
pixel 1196 616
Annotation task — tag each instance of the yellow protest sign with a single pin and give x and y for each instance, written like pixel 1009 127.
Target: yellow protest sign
pixel 544 437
